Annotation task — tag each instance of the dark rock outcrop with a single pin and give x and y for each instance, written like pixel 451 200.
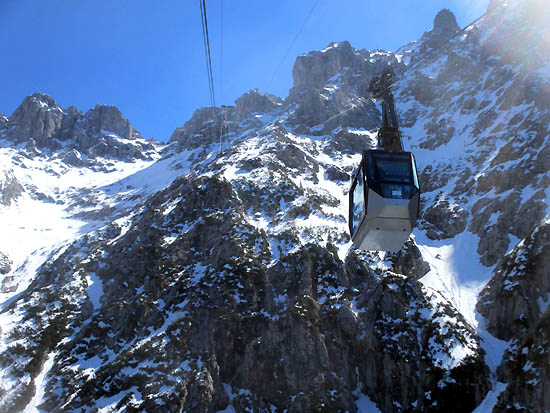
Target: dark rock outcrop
pixel 202 129
pixel 516 305
pixel 10 188
pixel 4 121
pixel 527 371
pixel 444 28
pixel 511 302
pixel 443 220
pixel 38 117
pixel 256 101
pixel 214 325
pixel 445 23
pixel 5 263
pixel 109 118
pixel 409 262
pixel 41 123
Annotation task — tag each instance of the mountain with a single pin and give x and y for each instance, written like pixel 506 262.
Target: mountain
pixel 215 273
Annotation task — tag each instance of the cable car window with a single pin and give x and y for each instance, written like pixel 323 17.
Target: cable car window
pixel 415 173
pixel 397 191
pixel 393 171
pixel 358 207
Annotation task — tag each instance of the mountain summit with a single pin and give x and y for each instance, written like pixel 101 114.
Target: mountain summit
pixel 40 123
pixel 445 23
pixel 216 273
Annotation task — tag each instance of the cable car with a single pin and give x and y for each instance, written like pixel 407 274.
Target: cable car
pixel 384 199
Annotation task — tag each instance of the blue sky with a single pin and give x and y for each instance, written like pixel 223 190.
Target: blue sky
pixel 147 58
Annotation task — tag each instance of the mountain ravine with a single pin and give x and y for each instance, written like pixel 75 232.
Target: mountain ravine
pixel 208 275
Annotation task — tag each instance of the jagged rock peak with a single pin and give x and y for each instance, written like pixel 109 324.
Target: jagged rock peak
pixel 445 22
pixel 201 116
pixel 256 101
pixel 342 46
pixel 315 68
pixel 39 122
pixel 41 99
pixel 202 129
pixel 38 116
pixel 109 118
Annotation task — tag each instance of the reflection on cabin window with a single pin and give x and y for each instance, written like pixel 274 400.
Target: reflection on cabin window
pixel 358 201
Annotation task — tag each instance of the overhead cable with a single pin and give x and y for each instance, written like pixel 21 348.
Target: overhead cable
pixel 223 114
pixel 206 42
pixel 292 44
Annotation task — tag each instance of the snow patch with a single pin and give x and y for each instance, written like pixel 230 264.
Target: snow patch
pixel 490 401
pixel 94 289
pixel 364 404
pixel 456 270
pixel 40 386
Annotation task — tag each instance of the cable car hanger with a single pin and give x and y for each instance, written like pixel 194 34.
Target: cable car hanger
pixel 384 199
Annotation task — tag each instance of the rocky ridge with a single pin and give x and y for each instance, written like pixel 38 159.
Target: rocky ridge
pixel 39 123
pixel 235 287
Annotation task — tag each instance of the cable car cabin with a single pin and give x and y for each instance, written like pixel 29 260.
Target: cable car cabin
pixel 384 200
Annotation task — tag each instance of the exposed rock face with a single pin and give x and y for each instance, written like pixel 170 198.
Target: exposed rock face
pixel 3 122
pixel 7 285
pixel 316 68
pixel 103 131
pixel 516 306
pixel 445 23
pixel 443 220
pixel 349 141
pixel 231 330
pixel 210 126
pixel 511 302
pixel 409 262
pixel 322 89
pixel 109 118
pixel 527 371
pixel 39 117
pixel 5 263
pixel 10 188
pixel 203 129
pixel 235 286
pixel 445 27
pixel 255 101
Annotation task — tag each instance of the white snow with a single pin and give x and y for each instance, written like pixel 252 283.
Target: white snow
pixel 107 404
pixel 95 289
pixel 491 399
pixel 544 303
pixel 456 271
pixel 39 384
pixel 232 395
pixel 35 230
pixel 494 348
pixel 365 405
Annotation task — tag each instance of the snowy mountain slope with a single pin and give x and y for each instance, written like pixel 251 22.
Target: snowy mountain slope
pixel 234 287
pixel 55 191
pixel 214 259
pixel 485 156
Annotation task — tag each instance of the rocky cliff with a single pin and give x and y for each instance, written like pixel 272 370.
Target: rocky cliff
pixel 219 275
pixel 39 123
